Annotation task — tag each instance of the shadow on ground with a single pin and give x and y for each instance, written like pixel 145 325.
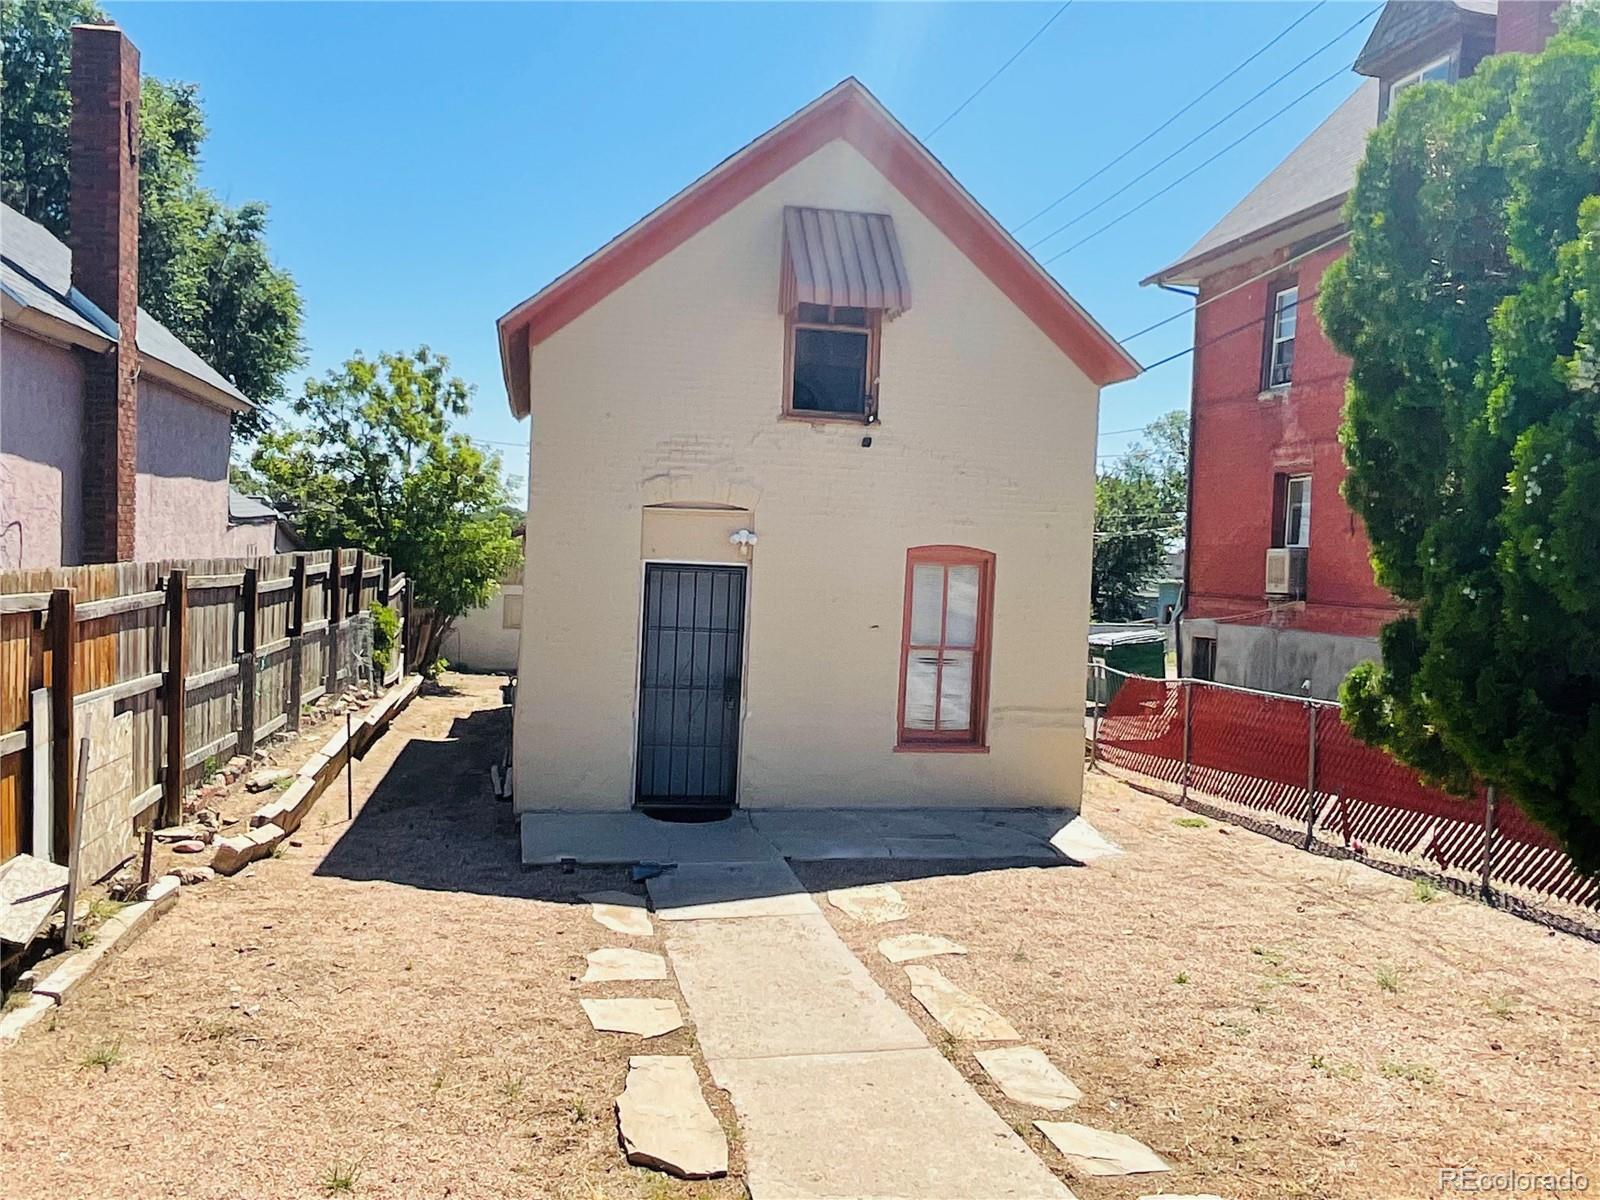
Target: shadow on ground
pixel 433 822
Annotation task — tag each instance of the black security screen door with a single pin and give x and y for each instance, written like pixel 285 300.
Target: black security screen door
pixel 689 686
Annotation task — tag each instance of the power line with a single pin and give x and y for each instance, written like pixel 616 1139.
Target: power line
pixel 1156 195
pixel 1219 122
pixel 1284 32
pixel 1001 71
pixel 1161 362
pixel 1256 278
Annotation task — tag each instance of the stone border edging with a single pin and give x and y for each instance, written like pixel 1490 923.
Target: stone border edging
pixel 115 934
pixel 281 816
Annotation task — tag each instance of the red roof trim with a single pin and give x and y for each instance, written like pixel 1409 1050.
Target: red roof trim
pixel 849 112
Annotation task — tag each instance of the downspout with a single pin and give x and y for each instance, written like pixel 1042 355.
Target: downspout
pixel 1188 505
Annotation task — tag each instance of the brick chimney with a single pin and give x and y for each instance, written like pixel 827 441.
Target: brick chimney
pixel 104 217
pixel 1524 25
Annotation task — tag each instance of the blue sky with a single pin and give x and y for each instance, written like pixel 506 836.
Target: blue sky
pixel 430 165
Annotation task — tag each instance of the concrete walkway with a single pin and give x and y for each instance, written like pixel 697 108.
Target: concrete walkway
pixel 838 1092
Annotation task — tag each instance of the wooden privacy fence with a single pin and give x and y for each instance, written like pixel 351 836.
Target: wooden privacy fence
pixel 1291 766
pixel 236 645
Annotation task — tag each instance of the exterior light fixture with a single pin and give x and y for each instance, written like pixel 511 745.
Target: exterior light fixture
pixel 744 539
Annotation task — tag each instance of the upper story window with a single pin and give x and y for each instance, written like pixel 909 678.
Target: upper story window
pixel 842 278
pixel 1281 320
pixel 833 357
pixel 1297 512
pixel 1437 71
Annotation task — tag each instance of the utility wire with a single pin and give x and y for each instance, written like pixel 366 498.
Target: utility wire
pixel 1256 278
pixel 1156 195
pixel 1283 33
pixel 1370 13
pixel 999 72
pixel 1227 333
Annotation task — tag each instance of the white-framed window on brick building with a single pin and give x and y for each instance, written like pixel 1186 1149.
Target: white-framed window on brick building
pixel 1282 315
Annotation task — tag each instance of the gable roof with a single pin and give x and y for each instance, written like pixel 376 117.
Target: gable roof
pixel 36 282
pixel 851 113
pixel 1313 180
pixel 1404 23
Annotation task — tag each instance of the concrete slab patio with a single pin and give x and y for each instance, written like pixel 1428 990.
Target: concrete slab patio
pixel 916 835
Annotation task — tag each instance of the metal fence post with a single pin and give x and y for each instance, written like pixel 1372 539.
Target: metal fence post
pixel 174 694
pixel 250 609
pixel 1099 677
pixel 1188 723
pixel 1490 804
pixel 1311 773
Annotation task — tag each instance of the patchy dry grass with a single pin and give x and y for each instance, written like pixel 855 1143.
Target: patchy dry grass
pixel 1219 995
pixel 389 1011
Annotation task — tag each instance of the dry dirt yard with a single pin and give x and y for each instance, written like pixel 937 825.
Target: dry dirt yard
pixel 1272 1023
pixel 391 1004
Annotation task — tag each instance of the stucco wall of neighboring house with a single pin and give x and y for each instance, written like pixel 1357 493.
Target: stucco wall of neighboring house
pixel 669 390
pixel 183 476
pixel 1273 659
pixel 41 451
pixel 251 541
pixel 481 640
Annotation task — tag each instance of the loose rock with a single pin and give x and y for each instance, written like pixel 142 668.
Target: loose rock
pixel 189 846
pixel 188 875
pixel 262 781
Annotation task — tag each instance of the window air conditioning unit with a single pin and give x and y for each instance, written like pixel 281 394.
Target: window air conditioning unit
pixel 1286 573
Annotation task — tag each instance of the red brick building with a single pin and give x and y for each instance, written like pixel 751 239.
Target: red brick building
pixel 1278 592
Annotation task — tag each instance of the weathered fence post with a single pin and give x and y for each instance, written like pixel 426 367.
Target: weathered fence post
pixel 360 589
pixel 335 618
pixel 1491 802
pixel 63 645
pixel 173 694
pixel 250 602
pixel 1188 722
pixel 297 626
pixel 1311 772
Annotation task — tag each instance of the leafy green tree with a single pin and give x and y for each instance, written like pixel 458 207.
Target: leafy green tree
pixel 1470 305
pixel 373 462
pixel 1139 506
pixel 204 270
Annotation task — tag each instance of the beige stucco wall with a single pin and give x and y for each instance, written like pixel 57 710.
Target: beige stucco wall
pixel 479 639
pixel 669 390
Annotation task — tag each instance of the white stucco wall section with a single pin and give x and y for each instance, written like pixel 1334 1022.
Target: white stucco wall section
pixel 670 389
pixel 480 639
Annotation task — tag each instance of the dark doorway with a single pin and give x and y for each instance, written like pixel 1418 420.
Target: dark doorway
pixel 689 684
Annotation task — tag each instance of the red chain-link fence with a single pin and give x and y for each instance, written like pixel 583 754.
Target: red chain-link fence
pixel 1291 765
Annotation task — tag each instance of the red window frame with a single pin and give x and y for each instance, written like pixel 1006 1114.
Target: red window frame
pixel 973 739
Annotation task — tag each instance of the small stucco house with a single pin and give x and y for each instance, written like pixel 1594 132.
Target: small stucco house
pixel 811 493
pixel 114 435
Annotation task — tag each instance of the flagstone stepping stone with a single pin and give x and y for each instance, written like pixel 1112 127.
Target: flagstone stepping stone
pixel 1096 1152
pixel 665 1122
pixel 904 947
pixel 622 964
pixel 643 1018
pixel 874 904
pixel 1028 1077
pixel 620 912
pixel 1082 842
pixel 963 1016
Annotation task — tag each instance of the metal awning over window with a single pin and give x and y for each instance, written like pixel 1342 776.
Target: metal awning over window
pixel 842 260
